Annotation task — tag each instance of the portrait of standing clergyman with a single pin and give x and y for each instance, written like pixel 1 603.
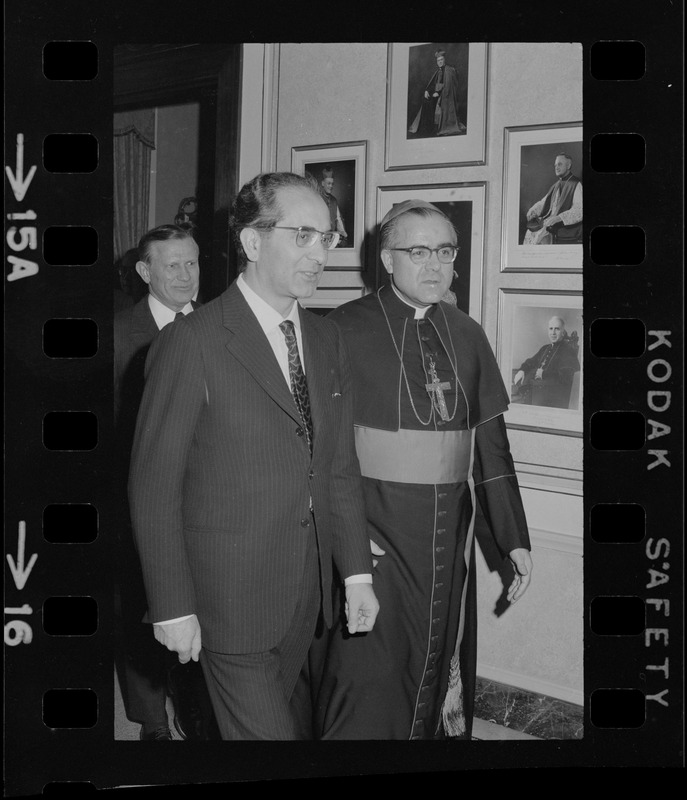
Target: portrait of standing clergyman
pixel 437 90
pixel 337 182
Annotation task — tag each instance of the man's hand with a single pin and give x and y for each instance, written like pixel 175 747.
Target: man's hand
pixel 181 637
pixel 361 607
pixel 522 561
pixel 376 550
pixel 549 221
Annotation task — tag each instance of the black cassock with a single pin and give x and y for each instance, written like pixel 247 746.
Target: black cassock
pixel 391 683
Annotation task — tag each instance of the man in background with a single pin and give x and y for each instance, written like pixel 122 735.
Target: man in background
pixel 168 264
pixel 560 210
pixel 244 484
pixel 545 379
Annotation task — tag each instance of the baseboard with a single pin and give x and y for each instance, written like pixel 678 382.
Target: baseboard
pixel 527 712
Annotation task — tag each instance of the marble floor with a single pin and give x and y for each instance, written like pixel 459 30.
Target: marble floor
pixel 528 713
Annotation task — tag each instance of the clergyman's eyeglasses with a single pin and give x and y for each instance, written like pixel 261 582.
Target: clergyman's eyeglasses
pixel 420 255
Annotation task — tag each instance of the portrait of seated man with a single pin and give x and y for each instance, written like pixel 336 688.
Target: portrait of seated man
pixel 557 217
pixel 546 378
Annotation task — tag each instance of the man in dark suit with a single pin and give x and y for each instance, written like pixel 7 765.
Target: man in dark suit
pixel 244 483
pixel 168 263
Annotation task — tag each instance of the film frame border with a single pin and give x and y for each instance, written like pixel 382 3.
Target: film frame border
pixel 35 754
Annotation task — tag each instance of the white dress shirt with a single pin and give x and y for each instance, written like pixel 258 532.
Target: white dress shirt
pixel 162 314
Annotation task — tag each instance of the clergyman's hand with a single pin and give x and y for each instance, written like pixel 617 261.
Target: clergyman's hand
pixel 362 607
pixel 181 637
pixel 522 561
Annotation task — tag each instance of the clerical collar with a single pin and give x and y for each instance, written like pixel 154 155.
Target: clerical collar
pixel 162 314
pixel 420 313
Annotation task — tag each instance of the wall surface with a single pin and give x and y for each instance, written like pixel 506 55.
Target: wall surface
pixel 176 162
pixel 317 94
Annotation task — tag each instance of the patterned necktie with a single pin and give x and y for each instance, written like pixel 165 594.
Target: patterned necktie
pixel 299 386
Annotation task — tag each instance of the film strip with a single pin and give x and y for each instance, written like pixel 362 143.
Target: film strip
pixel 59 612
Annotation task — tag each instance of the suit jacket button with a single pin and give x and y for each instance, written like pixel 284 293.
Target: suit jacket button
pixel 305 522
pixel 311 474
pixel 299 431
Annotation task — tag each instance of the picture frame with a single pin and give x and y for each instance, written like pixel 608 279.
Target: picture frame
pixel 465 205
pixel 529 178
pixel 346 163
pixel 443 129
pixel 551 401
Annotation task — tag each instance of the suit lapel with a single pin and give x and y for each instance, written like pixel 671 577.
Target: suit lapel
pixel 143 325
pixel 248 344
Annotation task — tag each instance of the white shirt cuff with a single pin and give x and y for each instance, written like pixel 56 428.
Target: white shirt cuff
pixel 170 621
pixel 364 578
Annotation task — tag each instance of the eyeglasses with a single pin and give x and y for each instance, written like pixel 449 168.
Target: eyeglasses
pixel 420 255
pixel 307 237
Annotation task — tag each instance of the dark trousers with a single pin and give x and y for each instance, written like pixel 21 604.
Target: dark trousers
pixel 254 694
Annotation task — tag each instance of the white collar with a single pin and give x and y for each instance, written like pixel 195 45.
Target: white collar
pixel 268 317
pixel 419 312
pixel 162 314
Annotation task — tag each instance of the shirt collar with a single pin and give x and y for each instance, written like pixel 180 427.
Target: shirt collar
pixel 162 314
pixel 268 317
pixel 419 313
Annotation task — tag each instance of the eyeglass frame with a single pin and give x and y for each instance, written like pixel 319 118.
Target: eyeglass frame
pixel 431 250
pixel 307 228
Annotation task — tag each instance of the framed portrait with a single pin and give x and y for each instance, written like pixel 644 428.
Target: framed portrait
pixel 339 170
pixel 436 104
pixel 539 351
pixel 542 199
pixel 464 204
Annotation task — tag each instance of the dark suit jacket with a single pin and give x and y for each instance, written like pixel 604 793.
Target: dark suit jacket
pixel 222 478
pixel 134 330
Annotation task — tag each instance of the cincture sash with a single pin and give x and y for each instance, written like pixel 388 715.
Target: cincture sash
pixel 407 456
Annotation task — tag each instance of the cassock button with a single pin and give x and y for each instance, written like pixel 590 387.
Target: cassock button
pixel 439 567
pixel 441 514
pixel 440 549
pixel 441 530
pixel 305 522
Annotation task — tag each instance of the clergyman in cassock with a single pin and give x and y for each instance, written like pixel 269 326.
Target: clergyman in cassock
pixel 432 446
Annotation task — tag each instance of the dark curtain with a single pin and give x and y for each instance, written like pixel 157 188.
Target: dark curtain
pixel 134 141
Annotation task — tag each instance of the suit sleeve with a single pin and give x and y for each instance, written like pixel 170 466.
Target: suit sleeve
pixel 351 544
pixel 496 487
pixel 173 400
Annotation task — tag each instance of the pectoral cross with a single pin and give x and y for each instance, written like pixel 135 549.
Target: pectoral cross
pixel 436 391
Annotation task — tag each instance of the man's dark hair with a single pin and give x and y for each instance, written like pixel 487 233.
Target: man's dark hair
pixel 387 234
pixel 256 205
pixel 163 233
